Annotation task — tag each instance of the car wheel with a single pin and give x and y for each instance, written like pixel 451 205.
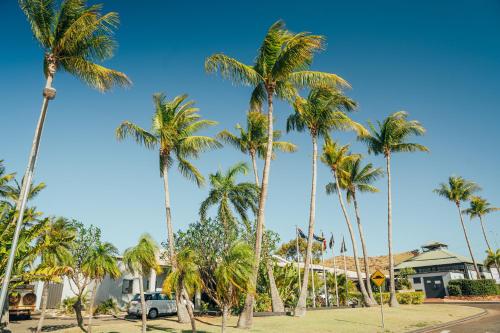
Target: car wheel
pixel 153 313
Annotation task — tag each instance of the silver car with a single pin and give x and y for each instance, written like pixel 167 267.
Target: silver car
pixel 156 304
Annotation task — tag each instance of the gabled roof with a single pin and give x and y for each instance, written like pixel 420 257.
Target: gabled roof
pixel 439 256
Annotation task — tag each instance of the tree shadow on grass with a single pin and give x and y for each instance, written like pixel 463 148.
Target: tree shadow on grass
pixel 169 330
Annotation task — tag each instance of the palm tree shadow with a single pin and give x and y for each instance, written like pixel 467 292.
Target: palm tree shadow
pixel 208 323
pixel 167 329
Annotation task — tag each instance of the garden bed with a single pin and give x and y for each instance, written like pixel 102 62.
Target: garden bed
pixel 492 298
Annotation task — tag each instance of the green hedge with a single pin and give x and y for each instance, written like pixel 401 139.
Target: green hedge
pixel 467 287
pixel 411 297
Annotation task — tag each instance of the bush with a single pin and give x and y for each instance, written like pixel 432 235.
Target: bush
pixel 412 297
pixel 263 303
pixel 68 302
pixel 486 287
pixel 107 307
pixel 454 290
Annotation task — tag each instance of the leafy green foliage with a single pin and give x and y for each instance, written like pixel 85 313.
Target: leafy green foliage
pixel 492 258
pixel 352 290
pixel 454 290
pixel 479 207
pixel 457 189
pixel 412 297
pixel 101 262
pixel 187 276
pixel 68 304
pixel 109 306
pixel 141 259
pixel 468 287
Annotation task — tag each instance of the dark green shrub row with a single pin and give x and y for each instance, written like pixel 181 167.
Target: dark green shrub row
pixel 411 297
pixel 467 287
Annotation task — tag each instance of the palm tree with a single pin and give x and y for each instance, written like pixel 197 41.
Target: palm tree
pixel 457 190
pixel 253 141
pixel 187 278
pixel 478 208
pixel 353 178
pixel 174 132
pixel 233 277
pixel 4 180
pixel 493 258
pixel 225 193
pixel 140 260
pixel 335 156
pixel 100 263
pixel 74 38
pixel 391 137
pixel 53 244
pixel 322 111
pixel 280 68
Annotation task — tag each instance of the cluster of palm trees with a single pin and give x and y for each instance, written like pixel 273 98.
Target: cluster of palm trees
pixel 75 37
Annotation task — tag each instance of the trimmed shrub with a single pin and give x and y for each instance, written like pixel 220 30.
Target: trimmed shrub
pixel 412 297
pixel 454 290
pixel 486 287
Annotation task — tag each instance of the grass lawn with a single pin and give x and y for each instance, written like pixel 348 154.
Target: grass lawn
pixel 403 319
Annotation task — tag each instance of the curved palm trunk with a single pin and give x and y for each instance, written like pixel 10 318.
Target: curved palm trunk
pixel 48 94
pixel 468 243
pixel 182 314
pixel 45 297
pixel 143 305
pixel 393 301
pixel 189 308
pixel 276 301
pixel 300 309
pixel 484 232
pixel 246 317
pixel 363 247
pixel 91 308
pixel 366 298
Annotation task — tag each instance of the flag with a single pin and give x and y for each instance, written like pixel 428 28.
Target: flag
pixel 318 238
pixel 301 233
pixel 332 242
pixel 343 248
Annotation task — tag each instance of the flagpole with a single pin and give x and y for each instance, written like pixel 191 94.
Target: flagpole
pixel 323 245
pixel 345 273
pixel 298 254
pixel 335 273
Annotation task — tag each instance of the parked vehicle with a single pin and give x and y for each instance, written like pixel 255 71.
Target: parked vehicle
pixel 22 300
pixel 156 304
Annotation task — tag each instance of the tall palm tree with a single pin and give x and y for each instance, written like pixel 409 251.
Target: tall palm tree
pixel 229 195
pixel 74 38
pixel 391 137
pixel 187 278
pixel 457 190
pixel 140 260
pixel 322 111
pixel 335 156
pixel 233 276
pixel 53 245
pixel 493 258
pixel 479 207
pixel 252 140
pixel 100 263
pixel 280 68
pixel 174 133
pixel 353 178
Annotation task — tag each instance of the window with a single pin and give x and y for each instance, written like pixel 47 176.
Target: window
pixel 417 280
pixel 127 286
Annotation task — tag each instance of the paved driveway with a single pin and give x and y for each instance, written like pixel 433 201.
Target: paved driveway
pixel 490 323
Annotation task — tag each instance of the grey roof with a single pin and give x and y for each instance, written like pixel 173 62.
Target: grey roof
pixel 435 257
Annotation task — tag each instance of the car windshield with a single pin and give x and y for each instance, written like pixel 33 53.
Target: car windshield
pixel 147 297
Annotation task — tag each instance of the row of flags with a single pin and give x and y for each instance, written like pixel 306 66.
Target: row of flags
pixel 322 239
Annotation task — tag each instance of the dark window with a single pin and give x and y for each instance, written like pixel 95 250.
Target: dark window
pixel 127 286
pixel 417 280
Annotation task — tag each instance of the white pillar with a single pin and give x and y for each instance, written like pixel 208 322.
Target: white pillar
pixel 152 281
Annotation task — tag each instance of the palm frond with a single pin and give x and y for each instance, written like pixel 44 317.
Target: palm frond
pixel 140 135
pixel 232 69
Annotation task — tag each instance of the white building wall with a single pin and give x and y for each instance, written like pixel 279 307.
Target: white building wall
pixel 446 276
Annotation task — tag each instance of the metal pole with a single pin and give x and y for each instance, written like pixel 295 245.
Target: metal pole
pixel 381 308
pixel 324 275
pixel 48 93
pixel 335 273
pixel 298 254
pixel 346 284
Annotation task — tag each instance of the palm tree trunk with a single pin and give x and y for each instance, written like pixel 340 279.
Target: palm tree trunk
pixel 363 247
pixel 182 314
pixel 225 312
pixel 78 311
pixel 393 301
pixel 189 310
pixel 91 307
pixel 468 243
pixel 366 298
pixel 48 94
pixel 300 309
pixel 246 317
pixel 484 233
pixel 276 301
pixel 45 297
pixel 143 305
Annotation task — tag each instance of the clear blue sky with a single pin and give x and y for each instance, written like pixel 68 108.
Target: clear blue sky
pixel 437 60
